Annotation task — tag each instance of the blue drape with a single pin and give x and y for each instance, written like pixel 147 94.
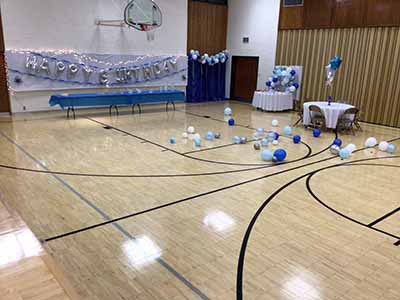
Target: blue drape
pixel 206 82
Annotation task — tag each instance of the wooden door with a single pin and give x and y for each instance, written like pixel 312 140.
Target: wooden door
pixel 244 77
pixel 4 95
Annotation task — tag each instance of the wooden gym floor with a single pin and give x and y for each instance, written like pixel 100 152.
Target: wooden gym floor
pixel 125 215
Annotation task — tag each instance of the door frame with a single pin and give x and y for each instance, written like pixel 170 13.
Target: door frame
pixel 233 73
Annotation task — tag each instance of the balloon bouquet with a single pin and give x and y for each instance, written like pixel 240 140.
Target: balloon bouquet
pixel 331 69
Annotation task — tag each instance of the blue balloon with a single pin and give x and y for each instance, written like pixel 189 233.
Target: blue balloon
pixel 276 136
pixel 296 85
pixel 316 132
pixel 344 153
pixel 293 72
pixel 391 148
pixel 280 154
pixel 228 111
pixel 231 122
pixel 210 136
pixel 236 139
pixel 197 142
pixel 335 62
pixel 271 136
pixel 296 139
pixel 172 140
pixel 267 155
pixel 287 130
pixel 337 142
pixel 275 79
pixel 264 142
pixel 268 83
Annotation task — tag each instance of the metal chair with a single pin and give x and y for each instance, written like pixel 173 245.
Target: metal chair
pixel 347 121
pixel 299 109
pixel 317 116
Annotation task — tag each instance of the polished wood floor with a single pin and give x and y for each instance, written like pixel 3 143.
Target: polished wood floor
pixel 126 215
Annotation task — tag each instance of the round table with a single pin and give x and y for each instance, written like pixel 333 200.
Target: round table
pixel 273 101
pixel 331 112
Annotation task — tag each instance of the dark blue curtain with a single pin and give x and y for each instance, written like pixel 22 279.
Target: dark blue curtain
pixel 206 82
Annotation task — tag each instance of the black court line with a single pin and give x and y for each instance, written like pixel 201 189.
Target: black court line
pixel 241 260
pixel 105 216
pixel 188 156
pixel 397 243
pixel 384 217
pixel 134 214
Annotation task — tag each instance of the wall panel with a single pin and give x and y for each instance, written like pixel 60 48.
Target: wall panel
pixel 369 76
pixel 207 27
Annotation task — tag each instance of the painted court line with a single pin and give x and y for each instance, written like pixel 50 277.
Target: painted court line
pixel 162 262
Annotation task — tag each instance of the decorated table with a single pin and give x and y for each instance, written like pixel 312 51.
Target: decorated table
pixel 273 100
pixel 331 112
pixel 132 98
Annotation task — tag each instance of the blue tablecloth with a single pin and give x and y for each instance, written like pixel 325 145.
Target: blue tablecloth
pixel 117 98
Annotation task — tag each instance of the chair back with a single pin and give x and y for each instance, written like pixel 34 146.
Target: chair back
pixel 315 109
pixel 353 111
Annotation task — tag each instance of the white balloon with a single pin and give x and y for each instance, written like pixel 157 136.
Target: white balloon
pixel 194 57
pixel 383 146
pixel 192 51
pixel 351 148
pixel 292 89
pixel 191 129
pixel 185 135
pixel 371 142
pixel 275 123
pixel 275 142
pixel 197 136
pixel 284 73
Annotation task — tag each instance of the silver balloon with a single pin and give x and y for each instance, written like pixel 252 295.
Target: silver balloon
pixel 60 66
pixel 174 64
pixel 103 77
pixel 134 73
pixel 166 67
pixel 147 73
pixel 31 63
pixel 122 75
pixel 45 66
pixel 335 150
pixel 72 70
pixel 217 135
pixel 157 70
pixel 257 146
pixel 243 140
pixel 87 72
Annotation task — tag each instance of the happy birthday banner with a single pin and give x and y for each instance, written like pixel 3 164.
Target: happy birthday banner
pixel 47 70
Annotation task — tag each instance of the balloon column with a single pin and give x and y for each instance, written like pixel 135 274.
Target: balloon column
pixel 331 69
pixel 283 79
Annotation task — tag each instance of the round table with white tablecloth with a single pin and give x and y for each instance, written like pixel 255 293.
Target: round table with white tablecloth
pixel 331 112
pixel 273 101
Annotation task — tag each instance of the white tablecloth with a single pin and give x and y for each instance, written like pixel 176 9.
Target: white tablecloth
pixel 332 112
pixel 273 101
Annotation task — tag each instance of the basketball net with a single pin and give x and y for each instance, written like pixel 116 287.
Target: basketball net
pixel 149 31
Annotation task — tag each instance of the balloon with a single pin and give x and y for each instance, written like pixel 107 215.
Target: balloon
pixel 217 135
pixel 191 130
pixel 268 83
pixel 276 136
pixel 210 136
pixel 197 136
pixel 267 155
pixel 103 77
pixel 197 142
pixel 296 139
pixel 383 146
pixel 275 79
pixel 280 154
pixel 287 130
pixel 284 73
pixel 337 142
pixel 296 85
pixel 172 140
pixel 185 135
pixel 275 142
pixel 335 149
pixel 344 153
pixel 275 123
pixel 256 146
pixel 243 140
pixel 216 61
pixel 272 84
pixel 316 132
pixel 335 63
pixel 260 130
pixel 192 52
pixel 271 136
pixel 293 72
pixel 371 142
pixel 391 148
pixel 292 89
pixel 231 122
pixel 194 57
pixel 351 148
pixel 236 139
pixel 264 142
pixel 228 111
